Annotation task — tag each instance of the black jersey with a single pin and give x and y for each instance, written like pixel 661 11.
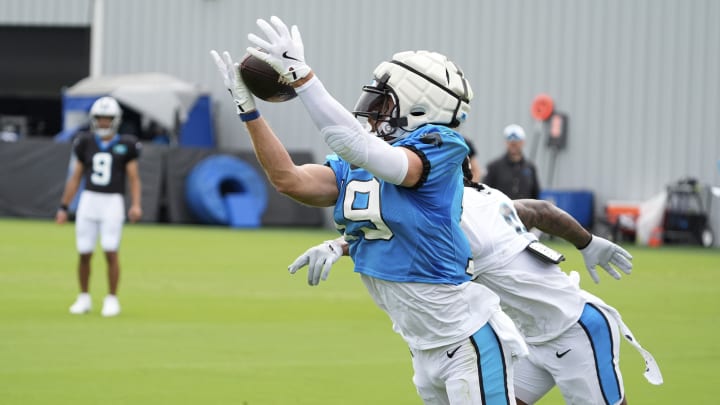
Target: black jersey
pixel 105 163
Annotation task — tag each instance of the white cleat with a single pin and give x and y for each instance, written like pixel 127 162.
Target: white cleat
pixel 111 306
pixel 82 304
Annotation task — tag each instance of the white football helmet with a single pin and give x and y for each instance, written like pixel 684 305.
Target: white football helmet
pixel 425 88
pixel 105 107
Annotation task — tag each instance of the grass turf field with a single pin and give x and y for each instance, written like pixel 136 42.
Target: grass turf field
pixel 211 316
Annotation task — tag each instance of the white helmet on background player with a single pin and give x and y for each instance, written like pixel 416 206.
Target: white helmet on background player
pixel 425 88
pixel 105 107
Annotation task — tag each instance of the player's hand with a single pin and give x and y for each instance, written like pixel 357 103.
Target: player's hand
pixel 244 100
pixel 319 260
pixel 601 252
pixel 135 213
pixel 61 216
pixel 283 49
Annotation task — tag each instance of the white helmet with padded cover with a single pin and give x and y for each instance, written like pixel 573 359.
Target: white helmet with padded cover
pixel 425 87
pixel 105 107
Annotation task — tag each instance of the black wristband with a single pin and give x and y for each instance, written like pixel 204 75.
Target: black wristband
pixel 63 207
pixel 588 243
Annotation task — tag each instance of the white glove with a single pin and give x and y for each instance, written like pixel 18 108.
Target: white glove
pixel 283 50
pixel 244 100
pixel 319 260
pixel 601 252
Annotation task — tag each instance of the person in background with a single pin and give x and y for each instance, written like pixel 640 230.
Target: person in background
pixel 106 161
pixel 512 173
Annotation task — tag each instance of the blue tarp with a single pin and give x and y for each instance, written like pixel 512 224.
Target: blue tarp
pixel 160 97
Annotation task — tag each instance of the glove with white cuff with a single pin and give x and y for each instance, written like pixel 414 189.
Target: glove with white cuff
pixel 283 49
pixel 319 260
pixel 601 252
pixel 244 100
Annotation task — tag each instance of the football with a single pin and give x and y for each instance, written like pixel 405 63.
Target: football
pixel 263 81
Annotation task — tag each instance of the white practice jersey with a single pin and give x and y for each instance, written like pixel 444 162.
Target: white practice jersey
pixel 539 297
pixel 428 316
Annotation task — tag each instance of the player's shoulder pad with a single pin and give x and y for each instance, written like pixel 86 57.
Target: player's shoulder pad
pixel 436 135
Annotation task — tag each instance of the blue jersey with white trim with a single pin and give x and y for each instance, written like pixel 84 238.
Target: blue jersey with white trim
pixel 403 234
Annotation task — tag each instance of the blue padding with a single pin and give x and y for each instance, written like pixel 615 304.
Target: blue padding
pixel 198 130
pixel 225 190
pixel 578 203
pixel 242 210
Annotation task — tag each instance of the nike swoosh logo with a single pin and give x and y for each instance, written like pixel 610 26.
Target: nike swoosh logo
pixel 559 355
pixel 450 354
pixel 286 56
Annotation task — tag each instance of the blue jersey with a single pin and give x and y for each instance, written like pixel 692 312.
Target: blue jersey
pixel 403 234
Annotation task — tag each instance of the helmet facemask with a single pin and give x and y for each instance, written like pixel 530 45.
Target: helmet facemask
pixel 379 104
pixel 105 132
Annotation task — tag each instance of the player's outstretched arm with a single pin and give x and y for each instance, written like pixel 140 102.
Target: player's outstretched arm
pixel 319 259
pixel 309 184
pixel 596 251
pixel 282 48
pixel 550 219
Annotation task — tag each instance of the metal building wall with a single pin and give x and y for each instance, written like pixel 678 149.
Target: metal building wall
pixel 45 12
pixel 638 78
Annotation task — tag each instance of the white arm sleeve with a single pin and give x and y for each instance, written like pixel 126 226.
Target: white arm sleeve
pixel 346 137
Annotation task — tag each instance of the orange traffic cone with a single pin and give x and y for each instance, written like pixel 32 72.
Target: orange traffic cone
pixel 656 237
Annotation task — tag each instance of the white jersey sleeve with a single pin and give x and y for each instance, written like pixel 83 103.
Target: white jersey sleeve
pixel 493 228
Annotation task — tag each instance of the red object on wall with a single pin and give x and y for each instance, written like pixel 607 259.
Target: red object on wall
pixel 542 107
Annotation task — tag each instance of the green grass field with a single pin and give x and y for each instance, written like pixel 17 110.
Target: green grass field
pixel 211 316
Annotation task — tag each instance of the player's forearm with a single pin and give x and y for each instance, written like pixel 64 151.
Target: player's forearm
pixel 323 108
pixel 71 187
pixel 135 191
pixel 271 154
pixel 552 220
pixel 286 177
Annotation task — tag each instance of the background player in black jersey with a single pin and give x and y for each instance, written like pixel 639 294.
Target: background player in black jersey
pixel 105 160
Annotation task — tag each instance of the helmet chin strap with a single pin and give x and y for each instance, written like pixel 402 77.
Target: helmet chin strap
pixel 385 128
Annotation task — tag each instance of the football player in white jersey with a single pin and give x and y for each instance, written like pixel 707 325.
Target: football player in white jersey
pixel 396 187
pixel 106 161
pixel 573 336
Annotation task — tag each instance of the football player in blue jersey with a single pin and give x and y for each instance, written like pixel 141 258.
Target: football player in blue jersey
pixel 106 161
pixel 396 187
pixel 573 336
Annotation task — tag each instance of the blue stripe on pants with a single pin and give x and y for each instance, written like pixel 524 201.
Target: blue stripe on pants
pixel 598 330
pixel 491 366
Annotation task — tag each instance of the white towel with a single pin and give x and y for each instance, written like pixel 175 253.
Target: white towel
pixel 652 370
